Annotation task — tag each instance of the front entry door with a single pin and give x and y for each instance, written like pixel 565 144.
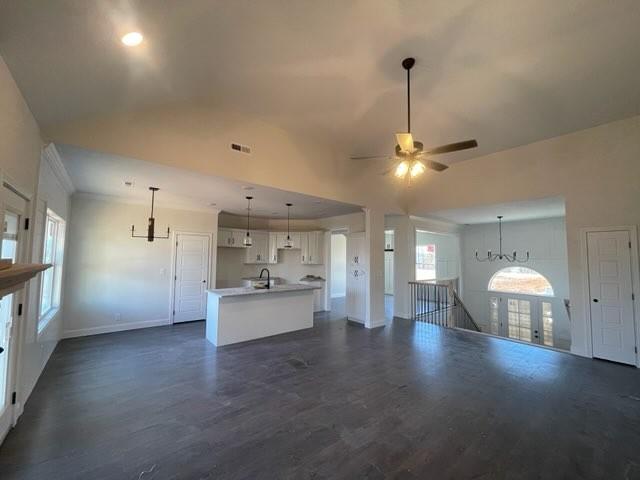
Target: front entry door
pixel 191 276
pixel 611 300
pixel 522 317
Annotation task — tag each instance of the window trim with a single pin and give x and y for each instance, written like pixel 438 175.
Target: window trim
pixel 511 292
pixel 44 318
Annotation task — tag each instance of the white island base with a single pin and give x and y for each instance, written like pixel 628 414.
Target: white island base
pixel 240 314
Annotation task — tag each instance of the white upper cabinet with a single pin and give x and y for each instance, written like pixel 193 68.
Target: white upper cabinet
pixel 224 237
pixel 258 252
pixel 312 248
pixel 266 245
pixel 229 237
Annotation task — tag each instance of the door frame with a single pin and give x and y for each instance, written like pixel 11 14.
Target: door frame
pixel 174 259
pixel 345 230
pixel 21 296
pixel 635 281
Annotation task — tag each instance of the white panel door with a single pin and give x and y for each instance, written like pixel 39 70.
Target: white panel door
pixel 192 272
pixel 610 290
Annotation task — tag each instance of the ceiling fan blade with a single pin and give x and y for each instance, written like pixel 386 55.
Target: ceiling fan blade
pixel 437 166
pixel 405 140
pixel 453 147
pixel 371 157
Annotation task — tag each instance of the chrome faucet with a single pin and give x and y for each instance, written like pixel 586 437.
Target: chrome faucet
pixel 268 276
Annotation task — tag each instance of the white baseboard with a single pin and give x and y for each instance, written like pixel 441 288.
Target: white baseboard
pixel 116 327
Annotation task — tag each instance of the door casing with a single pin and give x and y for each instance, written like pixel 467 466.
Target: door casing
pixel 635 282
pixel 174 258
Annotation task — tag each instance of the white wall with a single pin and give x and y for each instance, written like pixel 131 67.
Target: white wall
pixel 54 191
pixel 595 170
pixel 546 241
pixel 110 274
pixel 338 265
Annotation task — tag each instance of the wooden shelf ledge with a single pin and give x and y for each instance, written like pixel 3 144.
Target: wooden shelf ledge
pixel 14 277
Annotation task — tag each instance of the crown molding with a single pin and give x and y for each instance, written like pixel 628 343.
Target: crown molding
pixel 51 155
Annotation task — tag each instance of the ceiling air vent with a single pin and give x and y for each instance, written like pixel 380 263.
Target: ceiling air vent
pixel 241 148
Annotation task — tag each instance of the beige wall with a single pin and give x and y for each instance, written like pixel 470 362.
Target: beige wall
pixel 110 274
pixel 20 142
pixel 597 171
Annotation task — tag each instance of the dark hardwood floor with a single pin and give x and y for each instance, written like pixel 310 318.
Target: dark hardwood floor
pixel 408 401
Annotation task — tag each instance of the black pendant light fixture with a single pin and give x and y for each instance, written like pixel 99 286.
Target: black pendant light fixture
pixel 492 257
pixel 247 242
pixel 288 243
pixel 150 236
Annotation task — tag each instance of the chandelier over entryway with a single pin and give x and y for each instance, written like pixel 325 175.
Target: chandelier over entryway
pixel 492 257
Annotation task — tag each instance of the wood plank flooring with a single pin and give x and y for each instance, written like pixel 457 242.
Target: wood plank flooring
pixel 408 401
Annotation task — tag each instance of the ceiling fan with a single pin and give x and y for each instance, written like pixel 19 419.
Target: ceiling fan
pixel 411 157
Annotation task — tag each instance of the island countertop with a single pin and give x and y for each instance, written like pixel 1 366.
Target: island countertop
pixel 241 291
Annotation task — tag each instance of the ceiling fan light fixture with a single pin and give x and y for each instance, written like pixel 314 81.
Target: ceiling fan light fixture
pixel 405 141
pixel 402 169
pixel 417 169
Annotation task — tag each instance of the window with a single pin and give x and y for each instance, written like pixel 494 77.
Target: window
pixel 53 252
pixel 426 262
pixel 547 324
pixel 520 280
pixel 519 318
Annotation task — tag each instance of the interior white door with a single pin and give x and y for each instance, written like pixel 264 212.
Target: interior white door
pixel 610 290
pixel 191 276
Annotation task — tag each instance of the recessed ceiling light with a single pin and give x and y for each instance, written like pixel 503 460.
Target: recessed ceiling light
pixel 132 39
pixel 246 187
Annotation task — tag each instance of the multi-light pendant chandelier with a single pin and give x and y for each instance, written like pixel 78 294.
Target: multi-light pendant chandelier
pixel 247 242
pixel 288 243
pixel 492 257
pixel 150 236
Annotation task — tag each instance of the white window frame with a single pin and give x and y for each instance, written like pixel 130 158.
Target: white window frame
pixel 531 294
pixel 57 262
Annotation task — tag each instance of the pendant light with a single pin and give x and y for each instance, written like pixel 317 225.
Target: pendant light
pixel 150 236
pixel 288 243
pixel 492 257
pixel 247 242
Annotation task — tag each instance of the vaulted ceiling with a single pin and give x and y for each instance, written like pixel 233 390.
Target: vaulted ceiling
pixel 505 72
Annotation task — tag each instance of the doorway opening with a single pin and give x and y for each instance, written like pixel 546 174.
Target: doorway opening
pixel 338 271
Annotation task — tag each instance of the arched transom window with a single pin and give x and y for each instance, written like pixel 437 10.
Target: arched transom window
pixel 522 280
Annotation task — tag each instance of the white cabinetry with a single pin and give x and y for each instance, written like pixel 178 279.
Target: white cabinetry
pixel 312 248
pixel 356 277
pixel 258 252
pixel 228 237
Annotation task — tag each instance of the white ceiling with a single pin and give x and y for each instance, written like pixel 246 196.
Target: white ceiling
pixel 103 174
pixel 527 210
pixel 505 72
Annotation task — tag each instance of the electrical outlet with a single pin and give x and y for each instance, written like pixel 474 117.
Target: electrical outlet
pixel 118 317
pixel 163 272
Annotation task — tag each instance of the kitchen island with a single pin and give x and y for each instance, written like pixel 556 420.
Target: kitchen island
pixel 239 314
